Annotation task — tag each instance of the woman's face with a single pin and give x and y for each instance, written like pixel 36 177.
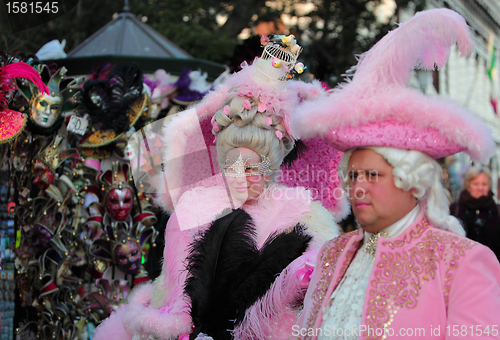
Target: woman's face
pixel 243 162
pixel 479 186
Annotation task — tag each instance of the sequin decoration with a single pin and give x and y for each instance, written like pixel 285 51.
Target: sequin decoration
pixel 12 124
pixel 390 287
pixel 239 168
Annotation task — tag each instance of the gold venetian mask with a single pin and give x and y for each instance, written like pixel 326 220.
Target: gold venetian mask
pixel 45 109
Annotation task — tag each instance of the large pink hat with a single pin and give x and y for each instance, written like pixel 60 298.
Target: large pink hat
pixel 189 148
pixel 375 108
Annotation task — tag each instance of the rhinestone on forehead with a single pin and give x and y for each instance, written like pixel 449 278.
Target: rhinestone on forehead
pixel 239 165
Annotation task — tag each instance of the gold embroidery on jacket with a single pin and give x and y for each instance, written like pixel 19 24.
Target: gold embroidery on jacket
pixel 399 276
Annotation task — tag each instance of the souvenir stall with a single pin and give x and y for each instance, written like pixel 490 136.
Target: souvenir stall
pixel 76 231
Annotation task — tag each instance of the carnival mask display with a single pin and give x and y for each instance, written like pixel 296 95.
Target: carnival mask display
pixel 119 194
pixel 49 159
pixel 13 120
pixel 43 176
pixel 45 109
pixel 63 271
pixel 127 257
pixel 119 203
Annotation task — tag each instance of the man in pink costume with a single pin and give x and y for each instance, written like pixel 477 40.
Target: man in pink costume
pixel 254 99
pixel 409 271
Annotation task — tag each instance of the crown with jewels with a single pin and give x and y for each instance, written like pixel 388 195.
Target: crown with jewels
pixel 66 88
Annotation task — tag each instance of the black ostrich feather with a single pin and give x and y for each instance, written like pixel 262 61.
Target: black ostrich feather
pixel 297 151
pixel 227 273
pixel 107 97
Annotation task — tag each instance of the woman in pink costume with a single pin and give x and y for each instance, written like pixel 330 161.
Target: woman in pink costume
pixel 239 246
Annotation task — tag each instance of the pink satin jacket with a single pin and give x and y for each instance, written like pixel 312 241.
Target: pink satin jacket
pixel 426 283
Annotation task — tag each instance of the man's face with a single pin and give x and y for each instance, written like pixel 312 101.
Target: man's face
pixel 376 201
pixel 45 110
pixel 119 203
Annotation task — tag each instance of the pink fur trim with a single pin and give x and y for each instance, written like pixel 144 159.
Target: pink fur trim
pixel 112 328
pixel 278 209
pixel 306 91
pixel 377 94
pixel 140 317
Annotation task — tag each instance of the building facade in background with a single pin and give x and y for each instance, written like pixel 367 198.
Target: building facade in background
pixel 472 81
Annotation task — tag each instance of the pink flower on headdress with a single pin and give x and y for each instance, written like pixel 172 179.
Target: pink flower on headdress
pixel 246 104
pixel 264 39
pixel 261 107
pixel 269 121
pixel 215 126
pixel 226 110
pixel 279 134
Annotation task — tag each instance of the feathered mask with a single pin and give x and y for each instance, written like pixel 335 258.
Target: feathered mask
pixel 114 100
pixel 12 122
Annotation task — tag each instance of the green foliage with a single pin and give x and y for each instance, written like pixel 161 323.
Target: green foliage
pixel 350 28
pixel 337 31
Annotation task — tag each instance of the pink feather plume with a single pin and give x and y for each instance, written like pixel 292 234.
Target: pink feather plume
pixel 272 316
pixel 18 70
pixel 422 42
pixel 354 114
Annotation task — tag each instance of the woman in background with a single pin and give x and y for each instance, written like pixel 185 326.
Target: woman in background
pixel 477 210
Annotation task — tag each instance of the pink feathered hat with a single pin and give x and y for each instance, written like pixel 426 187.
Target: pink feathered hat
pixel 189 148
pixel 375 108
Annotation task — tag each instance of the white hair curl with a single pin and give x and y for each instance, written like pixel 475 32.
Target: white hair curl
pixel 240 126
pixel 415 170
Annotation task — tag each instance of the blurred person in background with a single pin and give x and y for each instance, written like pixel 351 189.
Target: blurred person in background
pixel 477 210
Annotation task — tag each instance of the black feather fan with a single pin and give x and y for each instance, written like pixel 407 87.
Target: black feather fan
pixel 227 273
